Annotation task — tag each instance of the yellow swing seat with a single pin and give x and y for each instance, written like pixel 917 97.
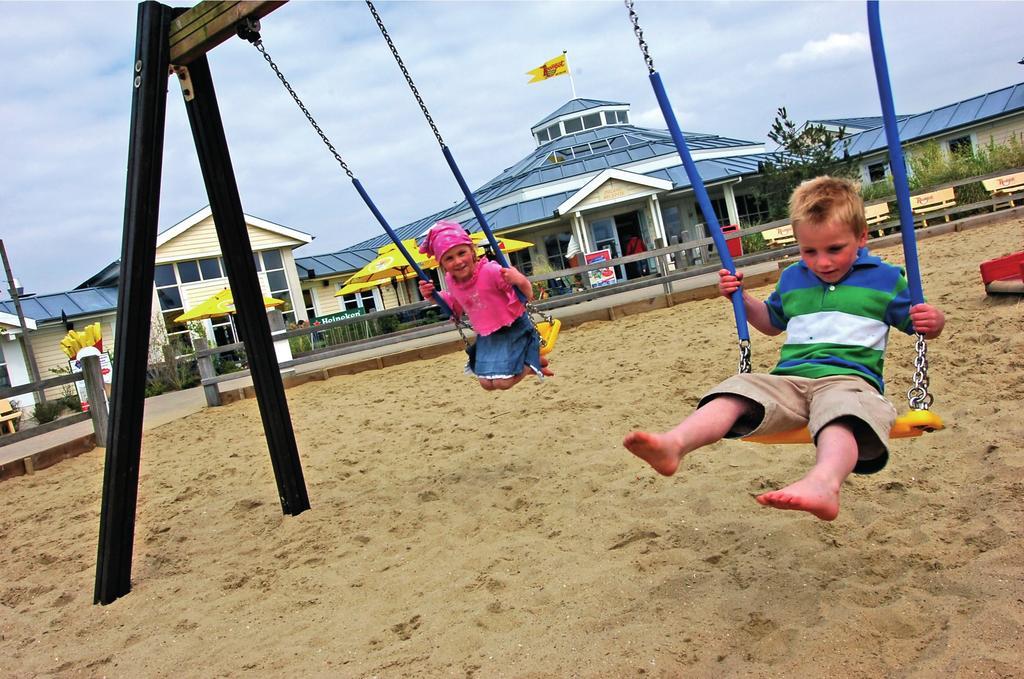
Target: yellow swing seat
pixel 912 423
pixel 548 335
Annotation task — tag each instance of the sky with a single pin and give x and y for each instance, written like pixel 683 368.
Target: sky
pixel 727 67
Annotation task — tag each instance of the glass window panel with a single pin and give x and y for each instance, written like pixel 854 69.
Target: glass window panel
pixel 592 120
pixel 210 268
pixel 617 142
pixel 256 258
pixel 573 125
pixel 598 146
pixel 171 325
pixel 272 259
pixel 554 131
pixel 581 150
pixel 368 303
pixel 543 136
pixel 5 378
pixel 170 298
pixel 623 117
pixel 164 275
pixel 188 271
pixel 277 281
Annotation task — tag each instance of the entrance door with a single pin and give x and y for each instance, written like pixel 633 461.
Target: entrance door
pixel 606 237
pixel 631 236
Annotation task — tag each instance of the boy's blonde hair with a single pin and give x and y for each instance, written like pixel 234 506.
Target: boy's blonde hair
pixel 828 199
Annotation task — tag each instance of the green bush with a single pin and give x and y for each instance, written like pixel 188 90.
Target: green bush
pixel 70 401
pixel 46 411
pixel 754 243
pixel 155 388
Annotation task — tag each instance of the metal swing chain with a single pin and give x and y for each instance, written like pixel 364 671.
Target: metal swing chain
pixel 405 72
pixel 744 366
pixel 640 36
pixel 248 29
pixel 918 395
pixel 530 307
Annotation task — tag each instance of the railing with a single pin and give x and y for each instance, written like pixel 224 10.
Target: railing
pixel 93 377
pixel 323 339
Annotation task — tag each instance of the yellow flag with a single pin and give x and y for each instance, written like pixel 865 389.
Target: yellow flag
pixel 552 67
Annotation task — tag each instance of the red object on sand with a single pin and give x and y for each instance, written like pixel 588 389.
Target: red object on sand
pixel 1004 275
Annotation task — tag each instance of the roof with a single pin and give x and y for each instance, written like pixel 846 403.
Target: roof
pixel 12 320
pixel 941 120
pixel 853 124
pixel 575 106
pixel 190 221
pixel 343 261
pixel 84 302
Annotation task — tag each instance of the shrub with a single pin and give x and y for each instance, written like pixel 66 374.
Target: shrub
pixel 46 411
pixel 754 243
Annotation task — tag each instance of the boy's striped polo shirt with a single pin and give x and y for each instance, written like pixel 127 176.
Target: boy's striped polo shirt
pixel 840 328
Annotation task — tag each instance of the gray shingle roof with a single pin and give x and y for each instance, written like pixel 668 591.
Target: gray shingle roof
pixel 343 261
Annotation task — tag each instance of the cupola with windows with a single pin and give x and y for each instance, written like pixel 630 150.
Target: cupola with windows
pixel 578 115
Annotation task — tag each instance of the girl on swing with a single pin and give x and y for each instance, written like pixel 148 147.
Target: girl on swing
pixel 507 346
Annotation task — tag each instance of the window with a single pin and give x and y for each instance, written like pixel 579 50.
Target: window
pixel 876 172
pixel 616 117
pixel 554 132
pixel 673 225
pixel 543 136
pixel 169 297
pixel 556 157
pixel 5 377
pixel 721 211
pixel 752 209
pixel 307 301
pixel 556 246
pixel 592 120
pixel 363 299
pixel 961 146
pixel 277 281
pixel 199 270
pixel 522 261
pixel 573 125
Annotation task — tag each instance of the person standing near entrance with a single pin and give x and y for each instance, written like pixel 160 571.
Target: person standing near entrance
pixel 634 246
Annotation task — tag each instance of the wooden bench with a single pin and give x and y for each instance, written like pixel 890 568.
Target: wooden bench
pixel 780 235
pixel 8 415
pixel 1005 185
pixel 876 214
pixel 924 203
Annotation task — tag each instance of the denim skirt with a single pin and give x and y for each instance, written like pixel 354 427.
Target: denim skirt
pixel 504 352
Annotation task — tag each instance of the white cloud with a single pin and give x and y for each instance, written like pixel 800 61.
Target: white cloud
pixel 836 47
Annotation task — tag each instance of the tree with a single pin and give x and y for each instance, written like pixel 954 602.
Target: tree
pixel 803 153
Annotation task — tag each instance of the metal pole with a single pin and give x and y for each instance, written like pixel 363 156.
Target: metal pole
pixel 26 343
pixel 226 206
pixel 134 303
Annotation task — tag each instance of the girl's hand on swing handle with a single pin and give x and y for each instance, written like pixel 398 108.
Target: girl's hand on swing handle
pixel 728 282
pixel 927 320
pixel 426 289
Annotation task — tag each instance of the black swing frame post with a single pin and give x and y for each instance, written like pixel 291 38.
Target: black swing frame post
pixel 155 51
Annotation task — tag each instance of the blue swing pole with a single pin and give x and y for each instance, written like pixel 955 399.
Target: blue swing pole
pixel 896 161
pixel 248 30
pixel 699 191
pixel 445 151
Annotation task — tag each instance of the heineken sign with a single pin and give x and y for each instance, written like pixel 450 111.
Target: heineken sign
pixel 340 316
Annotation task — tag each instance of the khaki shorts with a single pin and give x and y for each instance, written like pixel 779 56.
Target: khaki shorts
pixel 784 402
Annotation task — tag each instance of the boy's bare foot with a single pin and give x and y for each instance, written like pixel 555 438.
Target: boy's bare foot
pixel 661 451
pixel 544 369
pixel 806 495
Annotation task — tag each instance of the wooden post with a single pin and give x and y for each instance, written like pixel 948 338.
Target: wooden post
pixel 662 264
pixel 97 397
pixel 171 365
pixel 206 371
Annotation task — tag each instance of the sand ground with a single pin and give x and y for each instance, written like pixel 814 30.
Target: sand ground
pixel 456 532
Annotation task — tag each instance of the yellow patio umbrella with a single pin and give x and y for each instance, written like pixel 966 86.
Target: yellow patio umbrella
pixel 507 245
pixel 220 304
pixel 389 263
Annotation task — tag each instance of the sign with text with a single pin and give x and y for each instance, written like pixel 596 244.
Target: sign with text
pixel 341 315
pixel 604 275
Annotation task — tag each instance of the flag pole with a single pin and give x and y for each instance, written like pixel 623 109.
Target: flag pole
pixel 572 83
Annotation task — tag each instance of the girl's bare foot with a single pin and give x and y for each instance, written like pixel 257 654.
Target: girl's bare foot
pixel 806 495
pixel 662 451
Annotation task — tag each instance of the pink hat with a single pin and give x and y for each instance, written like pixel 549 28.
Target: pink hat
pixel 442 237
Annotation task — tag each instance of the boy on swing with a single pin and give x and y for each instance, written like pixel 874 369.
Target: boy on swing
pixel 836 306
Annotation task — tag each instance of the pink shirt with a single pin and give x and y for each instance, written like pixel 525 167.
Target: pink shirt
pixel 487 299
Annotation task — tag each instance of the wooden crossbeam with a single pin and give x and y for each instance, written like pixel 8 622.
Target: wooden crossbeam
pixel 210 23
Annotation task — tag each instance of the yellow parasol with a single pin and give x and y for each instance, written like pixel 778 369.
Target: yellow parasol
pixel 388 264
pixel 220 304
